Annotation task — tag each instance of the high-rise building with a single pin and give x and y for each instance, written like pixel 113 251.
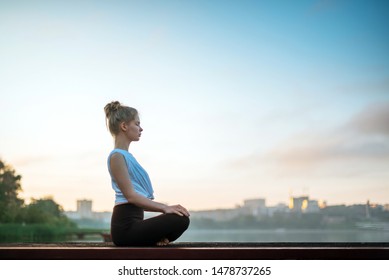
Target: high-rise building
pixel 303 204
pixel 84 208
pixel 298 204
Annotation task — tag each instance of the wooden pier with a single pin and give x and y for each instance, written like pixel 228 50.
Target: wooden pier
pixel 196 251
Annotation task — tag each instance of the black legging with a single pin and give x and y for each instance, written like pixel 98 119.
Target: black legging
pixel 128 228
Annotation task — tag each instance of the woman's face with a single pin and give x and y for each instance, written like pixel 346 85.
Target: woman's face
pixel 134 130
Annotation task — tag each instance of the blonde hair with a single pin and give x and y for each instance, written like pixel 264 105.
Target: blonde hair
pixel 116 113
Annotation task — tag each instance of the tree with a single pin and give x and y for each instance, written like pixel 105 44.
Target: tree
pixel 44 210
pixel 10 203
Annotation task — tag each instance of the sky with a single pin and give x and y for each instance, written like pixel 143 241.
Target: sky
pixel 237 99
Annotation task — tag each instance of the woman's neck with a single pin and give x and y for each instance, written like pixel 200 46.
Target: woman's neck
pixel 122 144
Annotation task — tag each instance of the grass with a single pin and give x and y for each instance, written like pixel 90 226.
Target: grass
pixel 34 233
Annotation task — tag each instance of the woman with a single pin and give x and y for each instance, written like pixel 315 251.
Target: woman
pixel 133 189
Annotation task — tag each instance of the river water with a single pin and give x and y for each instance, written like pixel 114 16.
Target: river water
pixel 284 235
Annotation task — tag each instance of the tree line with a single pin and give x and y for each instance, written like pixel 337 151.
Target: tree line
pixel 14 210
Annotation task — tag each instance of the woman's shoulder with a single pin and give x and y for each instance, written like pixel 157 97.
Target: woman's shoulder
pixel 119 151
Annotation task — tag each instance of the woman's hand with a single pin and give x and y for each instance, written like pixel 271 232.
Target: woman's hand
pixel 176 209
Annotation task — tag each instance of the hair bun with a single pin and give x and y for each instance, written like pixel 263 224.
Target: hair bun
pixel 111 107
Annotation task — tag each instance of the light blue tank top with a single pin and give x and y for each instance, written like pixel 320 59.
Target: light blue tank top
pixel 138 176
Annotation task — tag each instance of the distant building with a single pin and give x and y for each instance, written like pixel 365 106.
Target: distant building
pixel 279 208
pixel 103 217
pixel 302 204
pixel 72 215
pixel 217 214
pixel 84 208
pixel 298 204
pixel 257 208
pixel 313 206
pixel 84 211
pixel 254 207
pixel 322 204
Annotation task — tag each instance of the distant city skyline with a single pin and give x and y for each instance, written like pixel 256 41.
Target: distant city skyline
pixel 85 205
pixel 237 98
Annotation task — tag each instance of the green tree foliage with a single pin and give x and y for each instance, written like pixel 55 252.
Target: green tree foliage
pixel 10 203
pixel 43 210
pixel 13 209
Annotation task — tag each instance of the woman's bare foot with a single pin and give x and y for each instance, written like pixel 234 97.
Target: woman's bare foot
pixel 163 242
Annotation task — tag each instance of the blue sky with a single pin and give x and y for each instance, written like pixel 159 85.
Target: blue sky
pixel 238 99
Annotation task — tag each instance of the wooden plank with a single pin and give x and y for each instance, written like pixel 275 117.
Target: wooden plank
pixel 186 252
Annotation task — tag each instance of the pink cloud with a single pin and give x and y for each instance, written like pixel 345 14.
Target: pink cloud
pixel 359 146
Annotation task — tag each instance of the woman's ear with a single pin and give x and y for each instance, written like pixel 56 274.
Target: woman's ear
pixel 123 126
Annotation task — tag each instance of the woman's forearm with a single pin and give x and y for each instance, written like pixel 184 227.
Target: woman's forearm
pixel 145 203
pixel 149 205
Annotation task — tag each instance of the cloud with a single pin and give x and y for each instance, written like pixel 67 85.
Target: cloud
pixel 365 138
pixel 360 146
pixel 378 87
pixel 372 121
